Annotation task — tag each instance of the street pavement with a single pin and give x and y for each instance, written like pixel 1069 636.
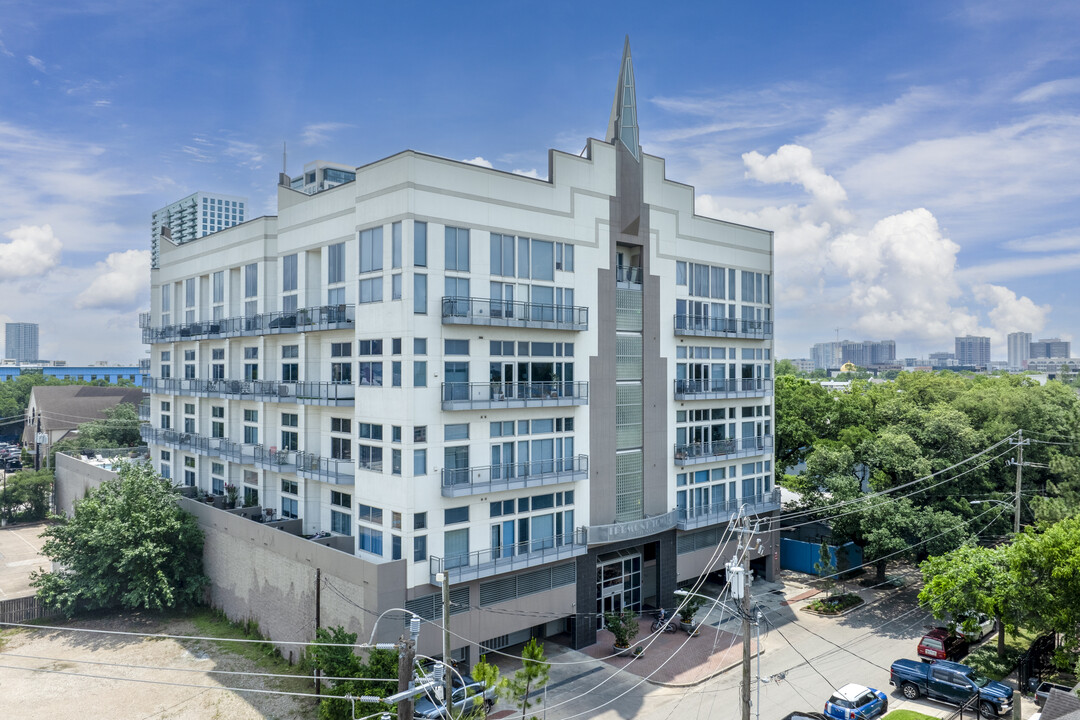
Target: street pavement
pixel 20 554
pixel 814 654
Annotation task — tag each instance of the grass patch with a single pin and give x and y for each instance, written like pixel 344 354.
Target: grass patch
pixel 984 659
pixel 835 604
pixel 907 715
pixel 213 623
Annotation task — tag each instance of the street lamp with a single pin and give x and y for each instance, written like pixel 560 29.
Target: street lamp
pixel 1002 502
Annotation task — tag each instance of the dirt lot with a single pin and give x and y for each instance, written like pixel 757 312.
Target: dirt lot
pixel 25 693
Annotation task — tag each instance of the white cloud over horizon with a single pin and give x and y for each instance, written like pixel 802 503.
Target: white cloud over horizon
pixel 33 250
pixel 122 280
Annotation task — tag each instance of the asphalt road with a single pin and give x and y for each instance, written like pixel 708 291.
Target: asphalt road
pixel 815 654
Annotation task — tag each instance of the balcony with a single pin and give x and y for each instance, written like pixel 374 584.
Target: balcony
pixel 628 276
pixel 695 453
pixel 494 561
pixel 144 411
pixel 705 326
pixel 144 320
pixel 305 393
pixel 326 317
pixel 499 395
pixel 717 388
pixel 331 470
pixel 719 512
pixel 507 313
pixel 457 482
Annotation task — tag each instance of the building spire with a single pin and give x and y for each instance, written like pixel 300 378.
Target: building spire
pixel 623 123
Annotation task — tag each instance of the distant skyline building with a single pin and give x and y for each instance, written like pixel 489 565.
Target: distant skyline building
pixel 803 364
pixel 1050 348
pixel 973 351
pixel 861 353
pixel 1019 350
pixel 942 359
pixel 21 342
pixel 195 216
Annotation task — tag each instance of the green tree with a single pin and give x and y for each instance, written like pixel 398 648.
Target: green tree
pixel 129 545
pixel 1050 564
pixel 533 675
pixel 785 367
pixel 973 579
pixel 488 674
pixel 27 495
pixel 803 411
pixel 825 568
pixel 335 660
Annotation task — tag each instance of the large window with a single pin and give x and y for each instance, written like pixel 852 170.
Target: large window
pixel 288 273
pixel 395 245
pixel 371 250
pixel 369 540
pixel 371 290
pixel 457 249
pixel 335 264
pixel 420 244
pixel 340 523
pixel 420 294
pixel 251 280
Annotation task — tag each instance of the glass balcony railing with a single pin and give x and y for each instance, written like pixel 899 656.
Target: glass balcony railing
pixel 508 313
pixel 314 467
pixel 479 396
pixel 719 512
pixel 326 317
pixel 306 393
pixel 714 388
pixel 628 275
pixel 693 453
pixel 513 476
pixel 507 558
pixel 704 325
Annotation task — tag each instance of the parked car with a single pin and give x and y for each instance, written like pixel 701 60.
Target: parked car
pixel 464 698
pixel 980 626
pixel 940 644
pixel 1043 691
pixel 952 683
pixel 856 702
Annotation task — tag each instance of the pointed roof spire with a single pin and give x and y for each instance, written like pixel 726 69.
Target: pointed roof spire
pixel 623 123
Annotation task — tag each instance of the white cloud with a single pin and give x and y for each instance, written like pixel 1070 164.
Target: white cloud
pixel 533 173
pixel 246 154
pixel 479 161
pixel 120 282
pixel 4 50
pixel 1047 90
pixel 320 132
pixel 35 63
pixel 795 164
pixel 33 250
pixel 102 103
pixel 1022 267
pixel 1010 313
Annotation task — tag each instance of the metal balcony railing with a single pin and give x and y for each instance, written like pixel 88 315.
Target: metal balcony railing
pixel 306 393
pixel 274 459
pixel 144 411
pixel 693 453
pixel 325 317
pixel 144 320
pixel 718 512
pixel 703 325
pixel 509 313
pixel 714 388
pixel 314 467
pixel 479 396
pixel 242 453
pixel 513 476
pixel 628 275
pixel 507 558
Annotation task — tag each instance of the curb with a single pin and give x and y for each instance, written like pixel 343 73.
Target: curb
pixel 710 676
pixel 842 613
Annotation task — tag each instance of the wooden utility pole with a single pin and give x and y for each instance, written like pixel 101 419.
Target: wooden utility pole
pixel 1019 473
pixel 406 659
pixel 448 680
pixel 318 623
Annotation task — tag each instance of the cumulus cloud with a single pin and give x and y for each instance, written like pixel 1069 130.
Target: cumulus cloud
pixel 1010 313
pixel 795 164
pixel 316 133
pixel 33 250
pixel 120 280
pixel 533 173
pixel 479 161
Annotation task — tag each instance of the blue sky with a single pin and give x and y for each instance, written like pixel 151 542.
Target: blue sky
pixel 918 161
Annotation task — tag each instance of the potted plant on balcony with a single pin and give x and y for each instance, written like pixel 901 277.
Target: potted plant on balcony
pixel 231 493
pixel 555 387
pixel 690 607
pixel 624 626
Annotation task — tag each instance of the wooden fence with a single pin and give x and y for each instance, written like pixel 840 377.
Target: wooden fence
pixel 24 609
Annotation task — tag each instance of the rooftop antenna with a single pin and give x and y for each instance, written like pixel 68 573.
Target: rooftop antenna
pixel 284 158
pixel 837 334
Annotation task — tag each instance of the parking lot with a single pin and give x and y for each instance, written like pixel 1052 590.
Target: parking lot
pixel 20 555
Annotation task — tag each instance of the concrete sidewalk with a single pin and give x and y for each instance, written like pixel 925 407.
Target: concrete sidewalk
pixel 20 555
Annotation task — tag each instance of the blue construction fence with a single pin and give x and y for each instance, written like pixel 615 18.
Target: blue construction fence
pixel 802 556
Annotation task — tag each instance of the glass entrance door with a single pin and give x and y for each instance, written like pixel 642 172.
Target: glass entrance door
pixel 618 585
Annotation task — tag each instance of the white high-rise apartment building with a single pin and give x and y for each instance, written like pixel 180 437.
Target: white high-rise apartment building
pixel 1019 350
pixel 555 392
pixel 21 342
pixel 195 216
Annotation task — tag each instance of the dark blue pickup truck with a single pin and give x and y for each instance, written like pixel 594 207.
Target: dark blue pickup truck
pixel 952 683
